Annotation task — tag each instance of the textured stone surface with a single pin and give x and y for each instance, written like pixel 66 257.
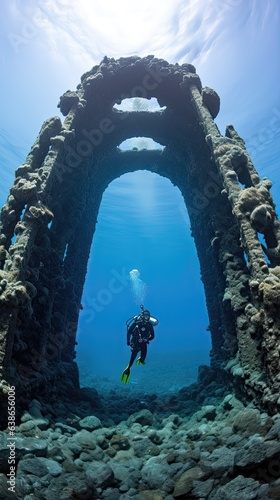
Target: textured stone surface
pixel 98 474
pixel 241 488
pixel 90 423
pixel 185 483
pixel 247 421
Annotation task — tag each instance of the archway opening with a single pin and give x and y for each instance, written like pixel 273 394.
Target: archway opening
pixel 143 224
pixel 139 104
pixel 138 143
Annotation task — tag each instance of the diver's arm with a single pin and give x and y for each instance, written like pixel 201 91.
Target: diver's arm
pixel 129 333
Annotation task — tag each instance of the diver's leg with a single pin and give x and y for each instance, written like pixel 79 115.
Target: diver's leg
pixel 125 376
pixel 143 353
pixel 133 357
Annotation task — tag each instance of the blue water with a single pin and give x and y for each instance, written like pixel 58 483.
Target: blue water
pixel 143 225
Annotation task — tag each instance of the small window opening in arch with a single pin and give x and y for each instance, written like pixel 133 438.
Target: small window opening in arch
pixel 65 252
pixel 263 243
pixel 139 104
pixel 20 220
pixel 23 212
pixel 246 258
pixel 140 143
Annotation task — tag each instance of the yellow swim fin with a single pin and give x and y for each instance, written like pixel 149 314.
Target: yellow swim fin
pixel 139 362
pixel 125 376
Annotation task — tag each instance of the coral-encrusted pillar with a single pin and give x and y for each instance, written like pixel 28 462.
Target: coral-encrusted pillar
pixel 258 317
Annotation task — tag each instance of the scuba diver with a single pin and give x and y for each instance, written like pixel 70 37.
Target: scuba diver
pixel 140 331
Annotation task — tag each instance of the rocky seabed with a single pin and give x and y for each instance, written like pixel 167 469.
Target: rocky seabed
pixel 223 451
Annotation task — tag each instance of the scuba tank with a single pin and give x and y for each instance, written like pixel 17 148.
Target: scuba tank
pixel 138 317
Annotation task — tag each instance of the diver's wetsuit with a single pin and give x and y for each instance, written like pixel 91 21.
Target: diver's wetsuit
pixel 138 335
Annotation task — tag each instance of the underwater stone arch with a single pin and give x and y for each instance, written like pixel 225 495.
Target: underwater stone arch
pixel 53 206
